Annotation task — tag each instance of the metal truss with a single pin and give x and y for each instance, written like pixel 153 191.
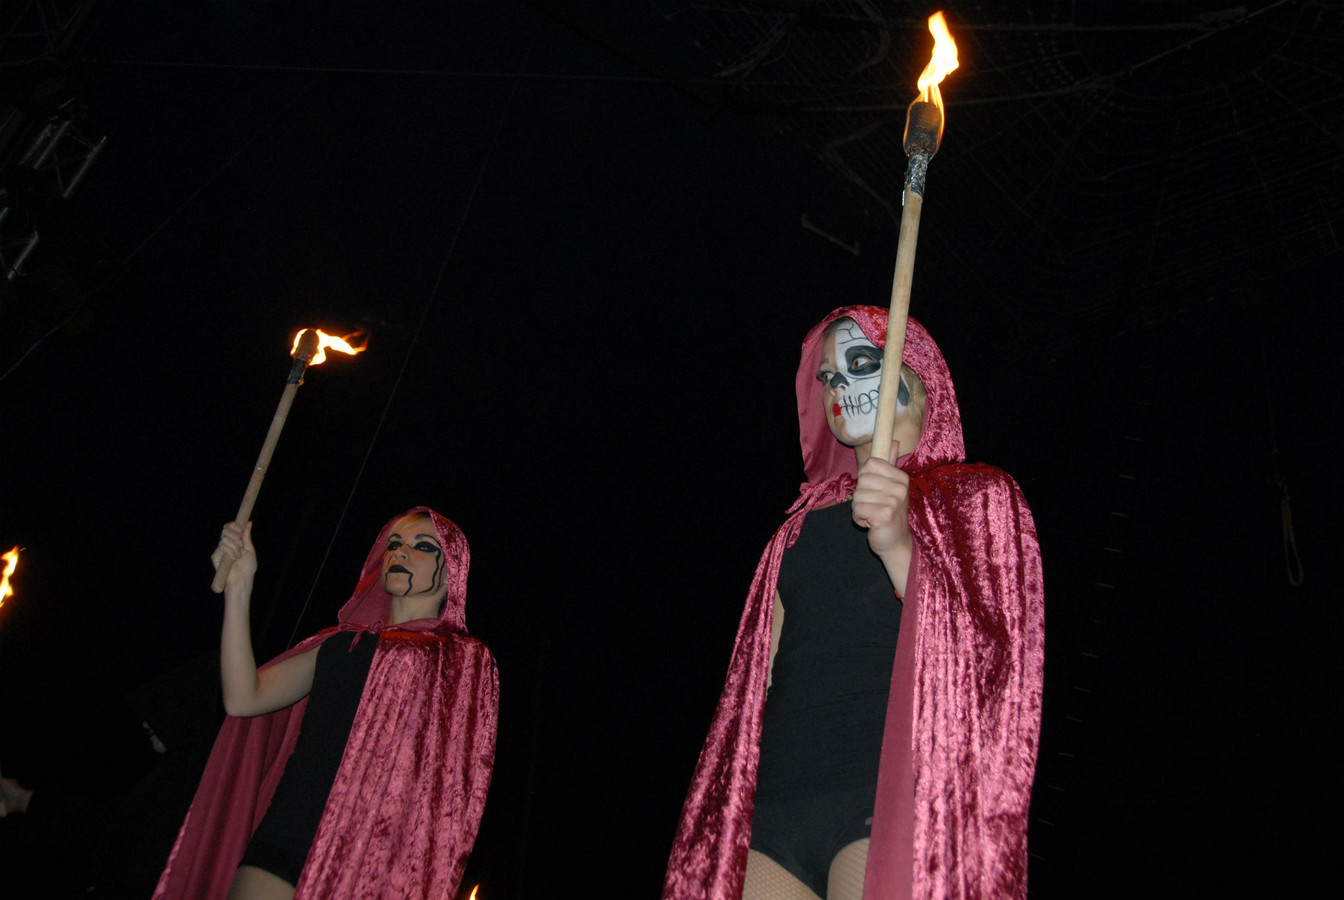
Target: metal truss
pixel 41 29
pixel 44 152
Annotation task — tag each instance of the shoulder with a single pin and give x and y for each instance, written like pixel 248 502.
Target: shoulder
pixel 450 639
pixel 468 643
pixel 971 501
pixel 445 653
pixel 462 646
pixel 967 481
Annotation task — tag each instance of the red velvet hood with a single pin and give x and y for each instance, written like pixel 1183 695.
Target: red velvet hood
pixel 403 811
pixel 959 748
pixel 941 442
pixel 369 605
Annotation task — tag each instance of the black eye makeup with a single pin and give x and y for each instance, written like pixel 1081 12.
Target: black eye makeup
pixel 862 361
pixel 422 546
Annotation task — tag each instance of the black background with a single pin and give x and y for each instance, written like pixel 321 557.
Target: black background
pixel 575 245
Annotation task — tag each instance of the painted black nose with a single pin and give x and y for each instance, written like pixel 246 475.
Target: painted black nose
pixel 839 381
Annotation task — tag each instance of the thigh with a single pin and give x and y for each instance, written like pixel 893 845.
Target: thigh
pixel 768 880
pixel 847 871
pixel 251 883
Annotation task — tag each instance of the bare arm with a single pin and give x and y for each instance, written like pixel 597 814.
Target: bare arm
pixel 248 692
pixel 776 627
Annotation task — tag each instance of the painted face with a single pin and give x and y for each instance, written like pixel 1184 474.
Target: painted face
pixel 850 371
pixel 413 560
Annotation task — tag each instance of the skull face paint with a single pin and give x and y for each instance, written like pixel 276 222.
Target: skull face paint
pixel 850 371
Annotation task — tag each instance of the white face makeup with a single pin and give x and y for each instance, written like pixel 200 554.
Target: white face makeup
pixel 850 371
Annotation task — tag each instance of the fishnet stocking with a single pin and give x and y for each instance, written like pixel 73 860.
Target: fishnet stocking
pixel 768 880
pixel 846 876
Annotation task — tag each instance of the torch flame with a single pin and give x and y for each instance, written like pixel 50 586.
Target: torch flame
pixel 473 892
pixel 324 340
pixel 942 62
pixel 11 560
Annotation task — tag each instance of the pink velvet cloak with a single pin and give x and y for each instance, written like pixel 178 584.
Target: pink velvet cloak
pixel 403 811
pixel 963 716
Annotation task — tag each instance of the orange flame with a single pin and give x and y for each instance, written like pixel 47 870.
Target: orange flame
pixel 473 892
pixel 11 560
pixel 941 62
pixel 340 344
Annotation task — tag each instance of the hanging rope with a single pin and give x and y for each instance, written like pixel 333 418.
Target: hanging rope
pixel 1291 561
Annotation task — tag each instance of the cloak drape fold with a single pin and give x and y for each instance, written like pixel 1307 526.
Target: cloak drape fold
pixel 963 718
pixel 407 800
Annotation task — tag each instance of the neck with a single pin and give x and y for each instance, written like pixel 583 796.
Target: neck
pixel 407 609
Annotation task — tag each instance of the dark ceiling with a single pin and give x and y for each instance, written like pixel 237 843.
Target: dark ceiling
pixel 584 239
pixel 1091 146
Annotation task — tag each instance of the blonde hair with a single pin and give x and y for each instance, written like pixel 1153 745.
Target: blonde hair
pixel 919 395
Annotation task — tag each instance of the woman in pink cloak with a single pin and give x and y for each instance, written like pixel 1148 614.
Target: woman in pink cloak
pixel 876 737
pixel 356 763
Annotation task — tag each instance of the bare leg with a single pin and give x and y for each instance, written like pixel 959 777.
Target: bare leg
pixel 768 880
pixel 251 883
pixel 846 877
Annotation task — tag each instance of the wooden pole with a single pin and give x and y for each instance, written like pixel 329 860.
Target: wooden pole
pixel 923 133
pixel 303 355
pixel 902 278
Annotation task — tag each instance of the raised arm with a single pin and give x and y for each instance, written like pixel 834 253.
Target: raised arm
pixel 248 692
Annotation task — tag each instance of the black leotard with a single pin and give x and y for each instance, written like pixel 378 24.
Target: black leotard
pixel 280 843
pixel 821 739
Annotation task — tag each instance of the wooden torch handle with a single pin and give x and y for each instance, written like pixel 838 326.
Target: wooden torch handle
pixel 890 382
pixel 254 485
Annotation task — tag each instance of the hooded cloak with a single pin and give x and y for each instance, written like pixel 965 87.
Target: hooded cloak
pixel 404 808
pixel 963 715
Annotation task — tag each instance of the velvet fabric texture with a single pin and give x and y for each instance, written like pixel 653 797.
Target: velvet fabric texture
pixel 963 717
pixel 403 811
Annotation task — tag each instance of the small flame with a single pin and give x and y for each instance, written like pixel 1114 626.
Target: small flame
pixel 11 560
pixel 942 62
pixel 473 892
pixel 340 344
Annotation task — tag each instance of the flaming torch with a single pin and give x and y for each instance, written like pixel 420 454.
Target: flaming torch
pixel 923 134
pixel 11 561
pixel 310 349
